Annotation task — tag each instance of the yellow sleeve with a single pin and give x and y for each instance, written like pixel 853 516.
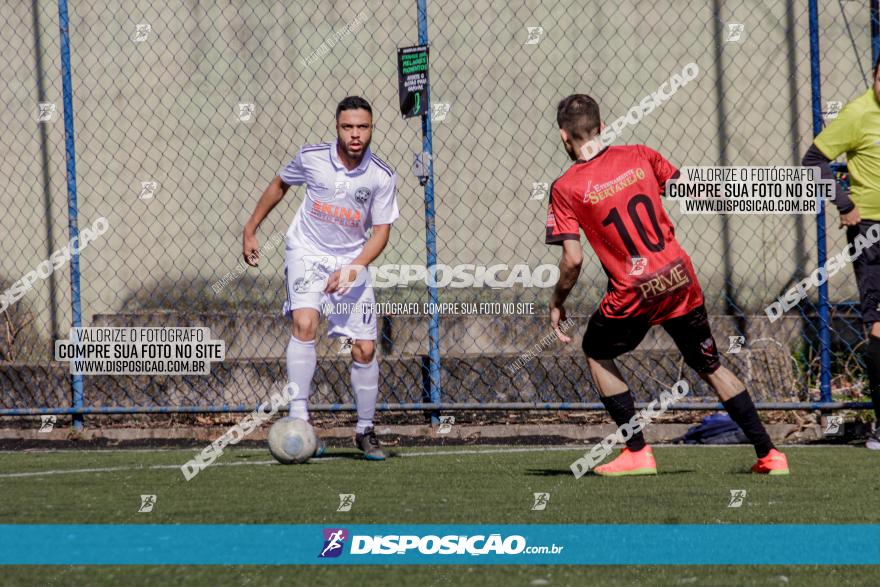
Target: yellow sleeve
pixel 842 134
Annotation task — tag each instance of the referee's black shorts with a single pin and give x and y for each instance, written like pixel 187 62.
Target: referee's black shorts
pixel 608 338
pixel 867 270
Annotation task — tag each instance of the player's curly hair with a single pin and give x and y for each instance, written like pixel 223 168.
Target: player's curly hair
pixel 353 103
pixel 578 115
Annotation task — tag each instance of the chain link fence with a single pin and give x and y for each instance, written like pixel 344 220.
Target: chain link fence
pixel 846 26
pixel 182 117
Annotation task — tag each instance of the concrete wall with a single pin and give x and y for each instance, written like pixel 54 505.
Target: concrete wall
pixel 165 110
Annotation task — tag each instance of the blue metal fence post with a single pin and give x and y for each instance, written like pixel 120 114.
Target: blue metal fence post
pixel 875 31
pixel 67 89
pixel 824 327
pixel 430 233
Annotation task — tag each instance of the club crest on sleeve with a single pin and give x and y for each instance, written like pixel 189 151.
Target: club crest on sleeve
pixel 362 195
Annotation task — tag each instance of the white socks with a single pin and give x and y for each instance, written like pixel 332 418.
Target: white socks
pixel 301 362
pixel 365 384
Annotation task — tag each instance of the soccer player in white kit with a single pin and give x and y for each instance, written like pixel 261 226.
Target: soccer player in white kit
pixel 349 191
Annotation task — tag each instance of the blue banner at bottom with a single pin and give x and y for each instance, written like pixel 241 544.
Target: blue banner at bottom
pixel 59 544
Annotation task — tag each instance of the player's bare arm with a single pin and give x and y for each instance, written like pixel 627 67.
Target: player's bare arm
pixel 268 201
pixel 569 271
pixel 341 280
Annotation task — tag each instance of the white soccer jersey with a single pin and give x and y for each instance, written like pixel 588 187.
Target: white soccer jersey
pixel 339 205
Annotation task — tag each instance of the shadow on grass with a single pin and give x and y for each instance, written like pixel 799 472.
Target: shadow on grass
pixel 561 472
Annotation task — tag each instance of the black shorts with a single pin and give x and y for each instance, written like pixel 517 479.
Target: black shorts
pixel 608 338
pixel 867 270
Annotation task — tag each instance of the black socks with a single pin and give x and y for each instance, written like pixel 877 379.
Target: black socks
pixel 743 412
pixel 622 408
pixel 872 367
pixel 740 407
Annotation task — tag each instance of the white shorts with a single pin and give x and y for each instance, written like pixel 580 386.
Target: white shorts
pixel 351 314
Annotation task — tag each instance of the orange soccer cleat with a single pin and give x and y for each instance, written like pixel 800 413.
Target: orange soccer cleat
pixel 774 463
pixel 630 463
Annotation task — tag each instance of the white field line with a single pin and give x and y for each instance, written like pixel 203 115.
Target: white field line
pixel 113 469
pixel 503 448
pixel 331 458
pixel 273 462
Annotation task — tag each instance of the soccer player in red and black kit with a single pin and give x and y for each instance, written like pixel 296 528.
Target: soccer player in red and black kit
pixel 614 196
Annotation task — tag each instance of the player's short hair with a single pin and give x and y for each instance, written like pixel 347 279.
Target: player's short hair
pixel 578 115
pixel 876 65
pixel 353 103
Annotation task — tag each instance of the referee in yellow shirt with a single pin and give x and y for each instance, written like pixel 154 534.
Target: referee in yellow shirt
pixel 856 132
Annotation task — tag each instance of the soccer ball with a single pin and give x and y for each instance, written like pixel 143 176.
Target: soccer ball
pixel 292 440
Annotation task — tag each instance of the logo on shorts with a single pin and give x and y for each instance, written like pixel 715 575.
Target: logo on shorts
pixel 707 347
pixel 362 195
pixel 301 285
pixel 317 268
